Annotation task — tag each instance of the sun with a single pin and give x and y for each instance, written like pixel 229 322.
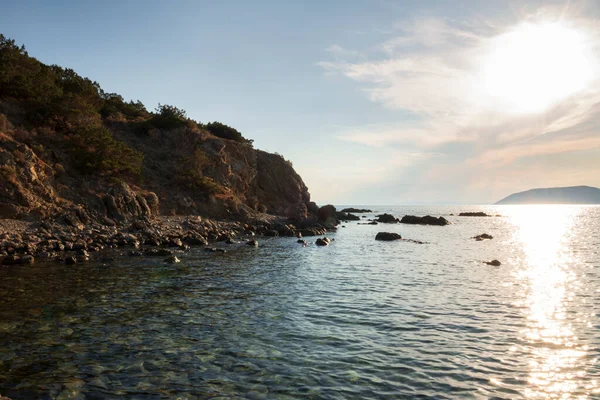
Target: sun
pixel 535 65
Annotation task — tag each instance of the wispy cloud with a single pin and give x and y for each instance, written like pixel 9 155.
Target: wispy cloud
pixel 433 69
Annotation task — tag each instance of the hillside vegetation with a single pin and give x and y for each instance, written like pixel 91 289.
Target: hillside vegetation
pixel 67 147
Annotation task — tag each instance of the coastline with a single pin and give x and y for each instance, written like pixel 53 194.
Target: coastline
pixel 24 242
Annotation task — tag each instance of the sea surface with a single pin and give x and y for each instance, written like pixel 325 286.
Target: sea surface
pixel 359 319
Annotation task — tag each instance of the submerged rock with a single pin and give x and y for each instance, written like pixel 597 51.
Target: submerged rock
pixel 172 260
pixel 426 220
pixel 387 236
pixel 482 237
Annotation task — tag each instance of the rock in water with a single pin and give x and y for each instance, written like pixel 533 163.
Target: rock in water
pixel 473 214
pixel 482 237
pixel 388 236
pixel 27 259
pixel 327 216
pixel 387 219
pixel 172 260
pixel 356 210
pixel 323 241
pixel 426 220
pixel 494 263
pixel 252 242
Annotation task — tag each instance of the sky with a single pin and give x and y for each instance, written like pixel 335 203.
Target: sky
pixel 373 101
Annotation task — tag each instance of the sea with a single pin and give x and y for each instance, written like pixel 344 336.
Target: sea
pixel 358 319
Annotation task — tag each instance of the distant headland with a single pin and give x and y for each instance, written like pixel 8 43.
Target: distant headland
pixel 558 195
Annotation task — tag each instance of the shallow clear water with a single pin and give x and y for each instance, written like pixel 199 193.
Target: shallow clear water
pixel 356 319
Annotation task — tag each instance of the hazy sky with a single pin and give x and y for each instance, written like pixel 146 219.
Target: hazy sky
pixel 374 101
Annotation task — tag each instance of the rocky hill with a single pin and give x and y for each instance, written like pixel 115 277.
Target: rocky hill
pixel 69 150
pixel 558 195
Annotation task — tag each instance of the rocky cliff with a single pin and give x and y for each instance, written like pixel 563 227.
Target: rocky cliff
pixel 70 150
pixel 238 181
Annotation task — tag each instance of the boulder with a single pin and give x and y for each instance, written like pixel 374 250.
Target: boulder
pixel 387 236
pixel 323 241
pixel 482 237
pixel 123 204
pixel 327 216
pixel 342 216
pixel 172 260
pixel 387 219
pixel 426 220
pixel 252 242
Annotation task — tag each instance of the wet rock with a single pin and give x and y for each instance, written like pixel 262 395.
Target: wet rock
pixel 221 251
pixel 175 242
pixel 323 241
pixel 70 260
pixel 210 249
pixel 152 242
pixel 252 242
pixel 387 219
pixel 483 236
pixel 302 241
pixel 135 253
pixel 230 241
pixel 426 220
pixel 494 263
pixel 172 260
pixel 27 259
pixel 271 233
pixel 387 236
pixel 83 253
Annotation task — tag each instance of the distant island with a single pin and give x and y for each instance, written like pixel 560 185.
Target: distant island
pixel 559 195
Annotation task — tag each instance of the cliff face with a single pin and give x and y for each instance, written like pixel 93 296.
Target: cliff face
pixel 238 181
pixel 70 149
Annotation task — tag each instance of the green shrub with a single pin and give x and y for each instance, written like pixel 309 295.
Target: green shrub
pixel 96 151
pixel 226 132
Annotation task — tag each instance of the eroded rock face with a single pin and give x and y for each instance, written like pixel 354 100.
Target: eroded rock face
pixel 279 188
pixel 122 203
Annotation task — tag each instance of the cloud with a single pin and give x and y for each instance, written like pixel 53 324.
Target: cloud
pixel 434 69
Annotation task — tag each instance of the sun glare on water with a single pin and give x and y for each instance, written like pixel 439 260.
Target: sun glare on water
pixel 535 65
pixel 556 358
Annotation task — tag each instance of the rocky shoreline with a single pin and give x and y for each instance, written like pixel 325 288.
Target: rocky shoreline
pixel 26 243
